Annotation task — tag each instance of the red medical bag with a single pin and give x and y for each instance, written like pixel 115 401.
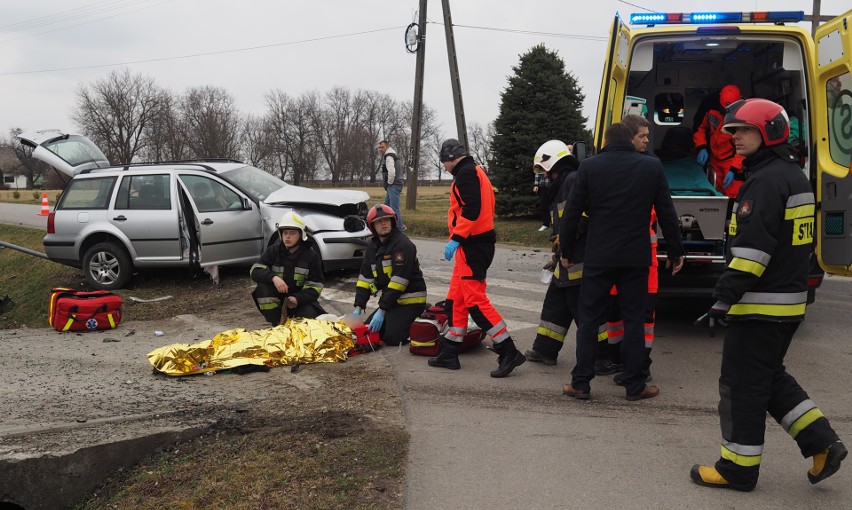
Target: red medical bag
pixel 425 332
pixel 72 310
pixel 364 341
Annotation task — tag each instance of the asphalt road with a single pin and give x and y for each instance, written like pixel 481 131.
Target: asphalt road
pixel 478 442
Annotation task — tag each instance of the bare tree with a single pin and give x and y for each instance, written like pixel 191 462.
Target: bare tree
pixel 257 141
pixel 115 111
pixel 166 134
pixel 291 124
pixel 480 143
pixel 332 121
pixel 212 121
pixel 30 167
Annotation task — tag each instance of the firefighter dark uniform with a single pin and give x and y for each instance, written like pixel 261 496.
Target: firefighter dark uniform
pixel 718 144
pixel 563 292
pixel 617 189
pixel 301 270
pixel 764 291
pixel 470 221
pixel 390 266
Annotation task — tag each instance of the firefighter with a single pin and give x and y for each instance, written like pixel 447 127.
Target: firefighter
pixel 560 302
pixel 470 220
pixel 390 265
pixel 288 275
pixel 762 293
pixel 715 147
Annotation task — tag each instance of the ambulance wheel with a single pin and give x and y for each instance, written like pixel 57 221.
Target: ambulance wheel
pixel 107 266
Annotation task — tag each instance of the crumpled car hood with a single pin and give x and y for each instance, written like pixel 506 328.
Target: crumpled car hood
pixel 300 195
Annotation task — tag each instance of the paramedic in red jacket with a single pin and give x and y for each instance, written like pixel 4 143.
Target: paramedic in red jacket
pixel 716 147
pixel 470 220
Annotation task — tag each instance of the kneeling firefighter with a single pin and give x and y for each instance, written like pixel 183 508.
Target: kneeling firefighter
pixel 390 265
pixel 289 274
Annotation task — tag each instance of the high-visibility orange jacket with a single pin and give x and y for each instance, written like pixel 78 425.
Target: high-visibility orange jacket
pixel 471 214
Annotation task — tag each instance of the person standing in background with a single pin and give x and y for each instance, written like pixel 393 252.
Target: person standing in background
pixel 393 177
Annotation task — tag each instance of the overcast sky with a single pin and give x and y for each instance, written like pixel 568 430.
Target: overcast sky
pixel 48 48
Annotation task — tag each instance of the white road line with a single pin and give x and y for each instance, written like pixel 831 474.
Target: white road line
pixel 343 301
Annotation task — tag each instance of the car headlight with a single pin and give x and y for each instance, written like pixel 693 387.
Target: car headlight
pixel 353 224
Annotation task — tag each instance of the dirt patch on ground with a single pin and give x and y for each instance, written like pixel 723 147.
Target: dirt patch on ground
pixel 63 393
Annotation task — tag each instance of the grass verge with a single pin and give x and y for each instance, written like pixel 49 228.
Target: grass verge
pixel 312 462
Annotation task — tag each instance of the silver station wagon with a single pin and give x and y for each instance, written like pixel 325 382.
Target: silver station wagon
pixel 114 220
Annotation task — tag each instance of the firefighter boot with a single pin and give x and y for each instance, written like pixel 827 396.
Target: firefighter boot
pixel 709 476
pixel 509 358
pixel 448 357
pixel 827 462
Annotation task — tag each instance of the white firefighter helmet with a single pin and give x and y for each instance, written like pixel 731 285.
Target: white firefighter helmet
pixel 292 221
pixel 548 154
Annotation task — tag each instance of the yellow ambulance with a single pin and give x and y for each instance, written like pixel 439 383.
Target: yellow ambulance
pixel 668 66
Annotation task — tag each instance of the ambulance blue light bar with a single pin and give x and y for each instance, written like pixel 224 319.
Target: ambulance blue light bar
pixel 701 18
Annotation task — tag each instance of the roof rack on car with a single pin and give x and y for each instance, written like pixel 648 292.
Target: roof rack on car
pixel 195 162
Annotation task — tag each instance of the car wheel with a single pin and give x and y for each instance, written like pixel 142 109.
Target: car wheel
pixel 107 266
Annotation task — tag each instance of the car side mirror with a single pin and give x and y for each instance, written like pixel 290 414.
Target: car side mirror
pixel 579 150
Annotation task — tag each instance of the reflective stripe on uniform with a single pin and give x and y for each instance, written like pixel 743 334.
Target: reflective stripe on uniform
pixel 364 283
pixel 268 303
pixel 742 455
pixel 386 267
pixel 412 298
pixel 551 330
pixel 747 266
pixel 602 333
pixel 761 257
pixel 777 304
pixel 800 205
pixel 615 331
pixel 398 283
pixel 499 332
pixel 800 417
pixel 649 334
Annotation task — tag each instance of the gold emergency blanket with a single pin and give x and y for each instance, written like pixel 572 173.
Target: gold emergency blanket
pixel 297 342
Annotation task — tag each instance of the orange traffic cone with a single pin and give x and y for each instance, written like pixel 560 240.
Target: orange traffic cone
pixel 45 207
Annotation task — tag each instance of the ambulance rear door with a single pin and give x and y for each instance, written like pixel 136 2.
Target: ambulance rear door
pixel 614 82
pixel 833 127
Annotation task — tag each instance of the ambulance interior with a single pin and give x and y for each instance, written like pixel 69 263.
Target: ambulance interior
pixel 671 78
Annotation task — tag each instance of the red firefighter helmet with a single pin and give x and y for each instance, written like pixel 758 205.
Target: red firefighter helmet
pixel 378 212
pixel 768 117
pixel 729 94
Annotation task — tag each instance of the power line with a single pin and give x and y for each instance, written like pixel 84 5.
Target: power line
pixel 85 22
pixel 61 16
pixel 530 32
pixel 207 53
pixel 637 6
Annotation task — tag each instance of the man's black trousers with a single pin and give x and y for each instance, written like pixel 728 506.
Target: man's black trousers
pixel 594 296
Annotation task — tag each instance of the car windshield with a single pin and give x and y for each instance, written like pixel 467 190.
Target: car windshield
pixel 254 182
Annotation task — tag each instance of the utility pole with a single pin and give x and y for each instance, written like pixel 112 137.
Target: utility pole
pixel 454 75
pixel 417 114
pixel 816 18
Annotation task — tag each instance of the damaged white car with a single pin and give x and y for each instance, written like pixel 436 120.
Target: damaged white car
pixel 114 220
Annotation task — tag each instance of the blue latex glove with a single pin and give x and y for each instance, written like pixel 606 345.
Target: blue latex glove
pixel 702 157
pixel 450 249
pixel 729 178
pixel 378 320
pixel 356 311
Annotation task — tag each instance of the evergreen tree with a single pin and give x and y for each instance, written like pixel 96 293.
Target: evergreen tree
pixel 541 102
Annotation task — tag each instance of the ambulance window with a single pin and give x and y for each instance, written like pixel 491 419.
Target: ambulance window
pixel 839 101
pixel 668 109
